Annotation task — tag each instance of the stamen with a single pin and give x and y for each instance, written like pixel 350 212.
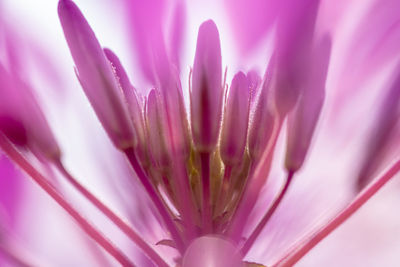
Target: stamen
pixel 254 235
pixel 303 246
pixel 123 226
pixel 14 155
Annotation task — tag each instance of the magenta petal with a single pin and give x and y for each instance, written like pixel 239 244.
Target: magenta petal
pixel 134 106
pixel 211 251
pixel 146 20
pixel 40 136
pixel 303 119
pixel 262 122
pixel 295 33
pixel 21 118
pixel 254 80
pixel 176 113
pixel 373 44
pixel 376 39
pixel 251 20
pixel 381 133
pixel 235 122
pixel 11 114
pixel 119 71
pixel 177 33
pixel 136 112
pixel 206 95
pixel 13 128
pixel 96 75
pixel 157 125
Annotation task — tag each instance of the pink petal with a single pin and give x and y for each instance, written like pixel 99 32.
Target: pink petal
pixel 373 44
pixel 206 95
pixel 254 85
pixel 21 118
pixel 146 19
pixel 303 119
pixel 295 32
pixel 177 33
pixel 134 107
pixel 136 112
pixel 119 71
pixel 251 20
pixel 96 75
pixel 11 117
pixel 156 122
pixel 176 114
pixel 381 133
pixel 235 122
pixel 262 122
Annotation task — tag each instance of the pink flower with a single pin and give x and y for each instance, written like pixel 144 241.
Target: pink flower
pixel 196 169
